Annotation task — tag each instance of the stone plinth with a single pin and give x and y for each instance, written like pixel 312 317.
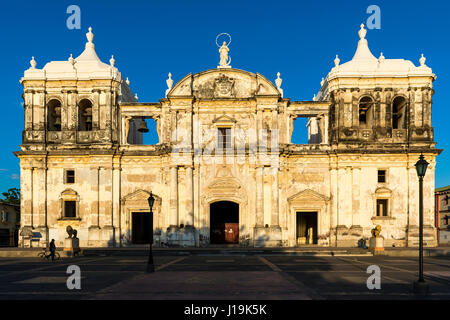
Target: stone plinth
pixel 267 236
pixel 187 236
pixel 376 244
pixel 173 236
pixel 72 246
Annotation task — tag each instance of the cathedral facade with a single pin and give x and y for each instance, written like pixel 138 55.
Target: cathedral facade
pixel 224 170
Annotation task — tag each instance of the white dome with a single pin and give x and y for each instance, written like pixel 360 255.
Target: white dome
pixel 364 64
pixel 85 67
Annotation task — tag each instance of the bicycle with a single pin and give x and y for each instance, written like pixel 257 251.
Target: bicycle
pixel 45 254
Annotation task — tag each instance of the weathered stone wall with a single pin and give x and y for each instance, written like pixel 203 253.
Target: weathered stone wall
pixel 337 178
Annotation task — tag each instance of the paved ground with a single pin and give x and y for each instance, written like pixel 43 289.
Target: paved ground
pixel 206 277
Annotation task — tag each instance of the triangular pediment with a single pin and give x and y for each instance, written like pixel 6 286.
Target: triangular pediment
pixel 138 195
pixel 308 195
pixel 224 119
pixel 224 184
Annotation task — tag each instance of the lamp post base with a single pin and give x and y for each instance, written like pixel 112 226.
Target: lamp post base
pixel 150 264
pixel 150 268
pixel 420 288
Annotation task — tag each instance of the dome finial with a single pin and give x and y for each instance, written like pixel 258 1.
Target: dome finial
pixel 362 32
pixel 337 61
pixel 422 60
pixel 127 81
pixel 90 35
pixel 322 82
pixel 112 61
pixel 136 96
pixel 33 63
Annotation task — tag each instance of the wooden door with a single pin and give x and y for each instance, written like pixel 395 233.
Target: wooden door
pixel 231 232
pixel 140 233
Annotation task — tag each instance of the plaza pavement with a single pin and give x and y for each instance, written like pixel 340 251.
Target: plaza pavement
pixel 221 277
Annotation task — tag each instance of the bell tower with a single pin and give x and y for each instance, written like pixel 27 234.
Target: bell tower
pixel 71 132
pixel 73 102
pixel 378 100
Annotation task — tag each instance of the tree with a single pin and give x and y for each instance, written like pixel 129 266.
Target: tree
pixel 12 196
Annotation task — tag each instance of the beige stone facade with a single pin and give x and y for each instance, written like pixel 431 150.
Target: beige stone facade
pixel 225 136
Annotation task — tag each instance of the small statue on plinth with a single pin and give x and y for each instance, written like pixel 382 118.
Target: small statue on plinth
pixel 71 232
pixel 376 231
pixel 376 243
pixel 72 243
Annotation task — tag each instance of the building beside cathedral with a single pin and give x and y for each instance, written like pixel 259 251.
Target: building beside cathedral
pixel 225 169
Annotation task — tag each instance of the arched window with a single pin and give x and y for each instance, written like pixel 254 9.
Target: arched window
pixel 85 115
pixel 365 112
pixel 398 113
pixel 54 115
pixel 69 204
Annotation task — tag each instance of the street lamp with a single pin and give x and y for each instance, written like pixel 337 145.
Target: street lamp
pixel 150 265
pixel 420 286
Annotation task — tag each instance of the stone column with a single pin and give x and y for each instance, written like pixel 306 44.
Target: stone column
pixel 275 218
pixel 275 229
pixel 259 196
pixel 189 197
pixel 94 228
pixel 26 187
pixel 107 228
pixel 116 193
pixel 173 218
pixel 413 207
pixel 356 196
pixel 334 203
pixel 356 230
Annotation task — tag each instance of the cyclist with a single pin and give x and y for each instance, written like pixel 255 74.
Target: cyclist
pixel 52 248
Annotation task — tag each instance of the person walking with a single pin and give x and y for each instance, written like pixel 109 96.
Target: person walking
pixel 52 248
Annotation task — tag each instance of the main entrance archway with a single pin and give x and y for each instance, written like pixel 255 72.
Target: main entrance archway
pixel 224 222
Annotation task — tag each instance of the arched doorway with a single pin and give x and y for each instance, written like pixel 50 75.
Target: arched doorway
pixel 224 222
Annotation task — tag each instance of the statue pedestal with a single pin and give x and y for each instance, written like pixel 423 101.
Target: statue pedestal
pixel 267 236
pixel 173 236
pixel 187 236
pixel 72 246
pixel 376 244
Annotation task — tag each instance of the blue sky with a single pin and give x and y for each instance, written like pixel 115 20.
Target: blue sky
pixel 151 38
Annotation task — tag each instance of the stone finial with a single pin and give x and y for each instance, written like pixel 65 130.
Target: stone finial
pixel 112 61
pixel 71 60
pixel 422 60
pixel 322 82
pixel 169 83
pixel 127 81
pixel 314 98
pixel 90 35
pixel 362 32
pixel 381 58
pixel 278 80
pixel 136 96
pixel 337 61
pixel 33 63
